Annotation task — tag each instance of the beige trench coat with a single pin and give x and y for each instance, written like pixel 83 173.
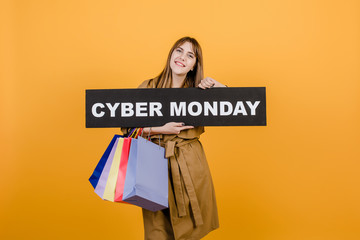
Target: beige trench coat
pixel 192 211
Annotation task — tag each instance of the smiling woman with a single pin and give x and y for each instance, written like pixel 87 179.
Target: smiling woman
pixel 192 211
pixel 182 61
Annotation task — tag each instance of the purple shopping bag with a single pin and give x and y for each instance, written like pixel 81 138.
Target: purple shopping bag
pixel 146 181
pixel 94 179
pixel 101 185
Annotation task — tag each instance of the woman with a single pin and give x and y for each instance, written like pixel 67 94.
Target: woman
pixel 192 211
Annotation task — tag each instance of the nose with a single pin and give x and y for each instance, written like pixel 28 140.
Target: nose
pixel 182 56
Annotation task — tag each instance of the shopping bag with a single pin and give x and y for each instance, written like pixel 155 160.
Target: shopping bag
pixel 146 180
pixel 109 192
pixel 100 187
pixel 119 190
pixel 94 178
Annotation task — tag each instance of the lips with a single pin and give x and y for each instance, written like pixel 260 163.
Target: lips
pixel 179 64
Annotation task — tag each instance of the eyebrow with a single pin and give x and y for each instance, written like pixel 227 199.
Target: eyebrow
pixel 189 52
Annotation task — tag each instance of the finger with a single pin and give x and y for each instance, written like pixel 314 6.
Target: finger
pixel 212 82
pixel 211 85
pixel 209 80
pixel 179 124
pixel 185 127
pixel 208 85
pixel 201 86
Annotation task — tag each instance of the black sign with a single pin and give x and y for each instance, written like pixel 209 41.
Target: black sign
pixel 244 106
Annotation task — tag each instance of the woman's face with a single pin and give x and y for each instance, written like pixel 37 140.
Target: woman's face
pixel 182 59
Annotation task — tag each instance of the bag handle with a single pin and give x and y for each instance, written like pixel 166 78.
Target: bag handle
pixel 135 133
pixel 131 132
pixel 149 135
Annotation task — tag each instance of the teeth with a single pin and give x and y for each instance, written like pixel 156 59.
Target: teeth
pixel 180 64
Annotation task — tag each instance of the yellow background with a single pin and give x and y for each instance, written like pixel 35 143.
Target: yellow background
pixel 297 178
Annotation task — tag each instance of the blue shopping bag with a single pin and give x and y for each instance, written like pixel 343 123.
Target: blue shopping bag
pixel 146 181
pixel 94 178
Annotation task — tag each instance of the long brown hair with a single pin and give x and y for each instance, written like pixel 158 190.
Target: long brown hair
pixel 192 79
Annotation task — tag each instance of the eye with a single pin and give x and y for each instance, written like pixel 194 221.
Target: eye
pixel 191 56
pixel 178 50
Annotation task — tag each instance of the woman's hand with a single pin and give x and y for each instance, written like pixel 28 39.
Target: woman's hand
pixel 168 128
pixel 208 82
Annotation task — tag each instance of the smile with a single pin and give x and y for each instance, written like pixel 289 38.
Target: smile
pixel 179 64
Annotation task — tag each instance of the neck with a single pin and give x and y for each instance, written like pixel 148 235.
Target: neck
pixel 177 81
